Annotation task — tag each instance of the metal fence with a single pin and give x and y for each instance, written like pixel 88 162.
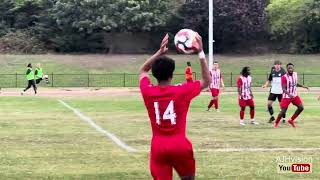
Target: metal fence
pixel 131 80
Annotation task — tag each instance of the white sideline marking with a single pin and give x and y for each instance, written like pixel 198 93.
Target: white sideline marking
pixel 98 128
pixel 254 150
pixel 257 149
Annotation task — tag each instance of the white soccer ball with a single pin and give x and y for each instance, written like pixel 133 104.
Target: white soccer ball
pixel 185 41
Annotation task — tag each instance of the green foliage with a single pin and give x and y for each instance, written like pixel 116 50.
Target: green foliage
pixel 296 24
pixel 6 16
pixel 79 25
pixel 118 16
pixel 235 22
pixel 20 42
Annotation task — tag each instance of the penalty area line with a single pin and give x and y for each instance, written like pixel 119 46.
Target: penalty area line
pixel 98 128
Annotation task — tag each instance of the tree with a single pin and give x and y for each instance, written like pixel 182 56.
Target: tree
pixel 6 16
pixel 72 24
pixel 295 24
pixel 235 22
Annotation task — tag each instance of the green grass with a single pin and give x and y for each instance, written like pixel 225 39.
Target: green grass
pixel 130 63
pixel 120 64
pixel 41 139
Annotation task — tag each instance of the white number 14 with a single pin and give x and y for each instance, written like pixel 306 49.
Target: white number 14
pixel 168 114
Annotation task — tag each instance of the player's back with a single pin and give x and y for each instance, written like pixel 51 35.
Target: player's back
pixel 168 106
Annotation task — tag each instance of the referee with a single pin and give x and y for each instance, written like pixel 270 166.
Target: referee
pixel 276 88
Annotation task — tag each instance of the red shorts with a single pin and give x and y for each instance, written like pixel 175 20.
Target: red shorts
pixel 189 80
pixel 168 153
pixel 285 102
pixel 244 103
pixel 214 92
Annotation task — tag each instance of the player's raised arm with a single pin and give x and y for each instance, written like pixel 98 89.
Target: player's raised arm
pixel 206 79
pixel 145 68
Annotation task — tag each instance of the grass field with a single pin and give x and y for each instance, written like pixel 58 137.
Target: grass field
pixel 78 67
pixel 130 63
pixel 42 139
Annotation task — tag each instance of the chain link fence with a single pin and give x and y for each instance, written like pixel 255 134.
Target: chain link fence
pixel 132 80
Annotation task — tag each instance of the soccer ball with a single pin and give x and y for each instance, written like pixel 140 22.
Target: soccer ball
pixel 185 41
pixel 46 78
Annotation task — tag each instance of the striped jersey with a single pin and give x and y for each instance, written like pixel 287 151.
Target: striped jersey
pixel 244 83
pixel 291 82
pixel 216 79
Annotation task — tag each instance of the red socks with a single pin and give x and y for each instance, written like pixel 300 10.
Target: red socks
pixel 241 114
pixel 294 116
pixel 216 104
pixel 210 104
pixel 252 113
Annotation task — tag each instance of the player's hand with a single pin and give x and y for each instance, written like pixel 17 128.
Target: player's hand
pixel 164 43
pixel 199 42
pixel 307 88
pixel 264 86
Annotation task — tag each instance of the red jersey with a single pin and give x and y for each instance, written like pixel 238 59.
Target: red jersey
pixel 168 106
pixel 188 73
pixel 291 82
pixel 216 79
pixel 244 83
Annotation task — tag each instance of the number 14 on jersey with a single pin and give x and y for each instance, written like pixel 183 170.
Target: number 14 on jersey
pixel 168 114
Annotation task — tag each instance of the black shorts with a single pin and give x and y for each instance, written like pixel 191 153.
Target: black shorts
pixel 38 80
pixel 273 97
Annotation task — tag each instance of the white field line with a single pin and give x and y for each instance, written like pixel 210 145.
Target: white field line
pixel 254 150
pixel 98 128
pixel 259 150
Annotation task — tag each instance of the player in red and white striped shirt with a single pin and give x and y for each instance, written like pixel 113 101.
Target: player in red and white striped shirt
pixel 245 95
pixel 290 83
pixel 214 87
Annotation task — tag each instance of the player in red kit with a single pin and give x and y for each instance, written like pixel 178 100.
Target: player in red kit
pixel 167 107
pixel 188 72
pixel 290 83
pixel 245 96
pixel 216 81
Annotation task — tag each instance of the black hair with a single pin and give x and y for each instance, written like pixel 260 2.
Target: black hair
pixel 189 63
pixel 290 64
pixel 162 68
pixel 215 62
pixel 29 65
pixel 277 62
pixel 245 71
